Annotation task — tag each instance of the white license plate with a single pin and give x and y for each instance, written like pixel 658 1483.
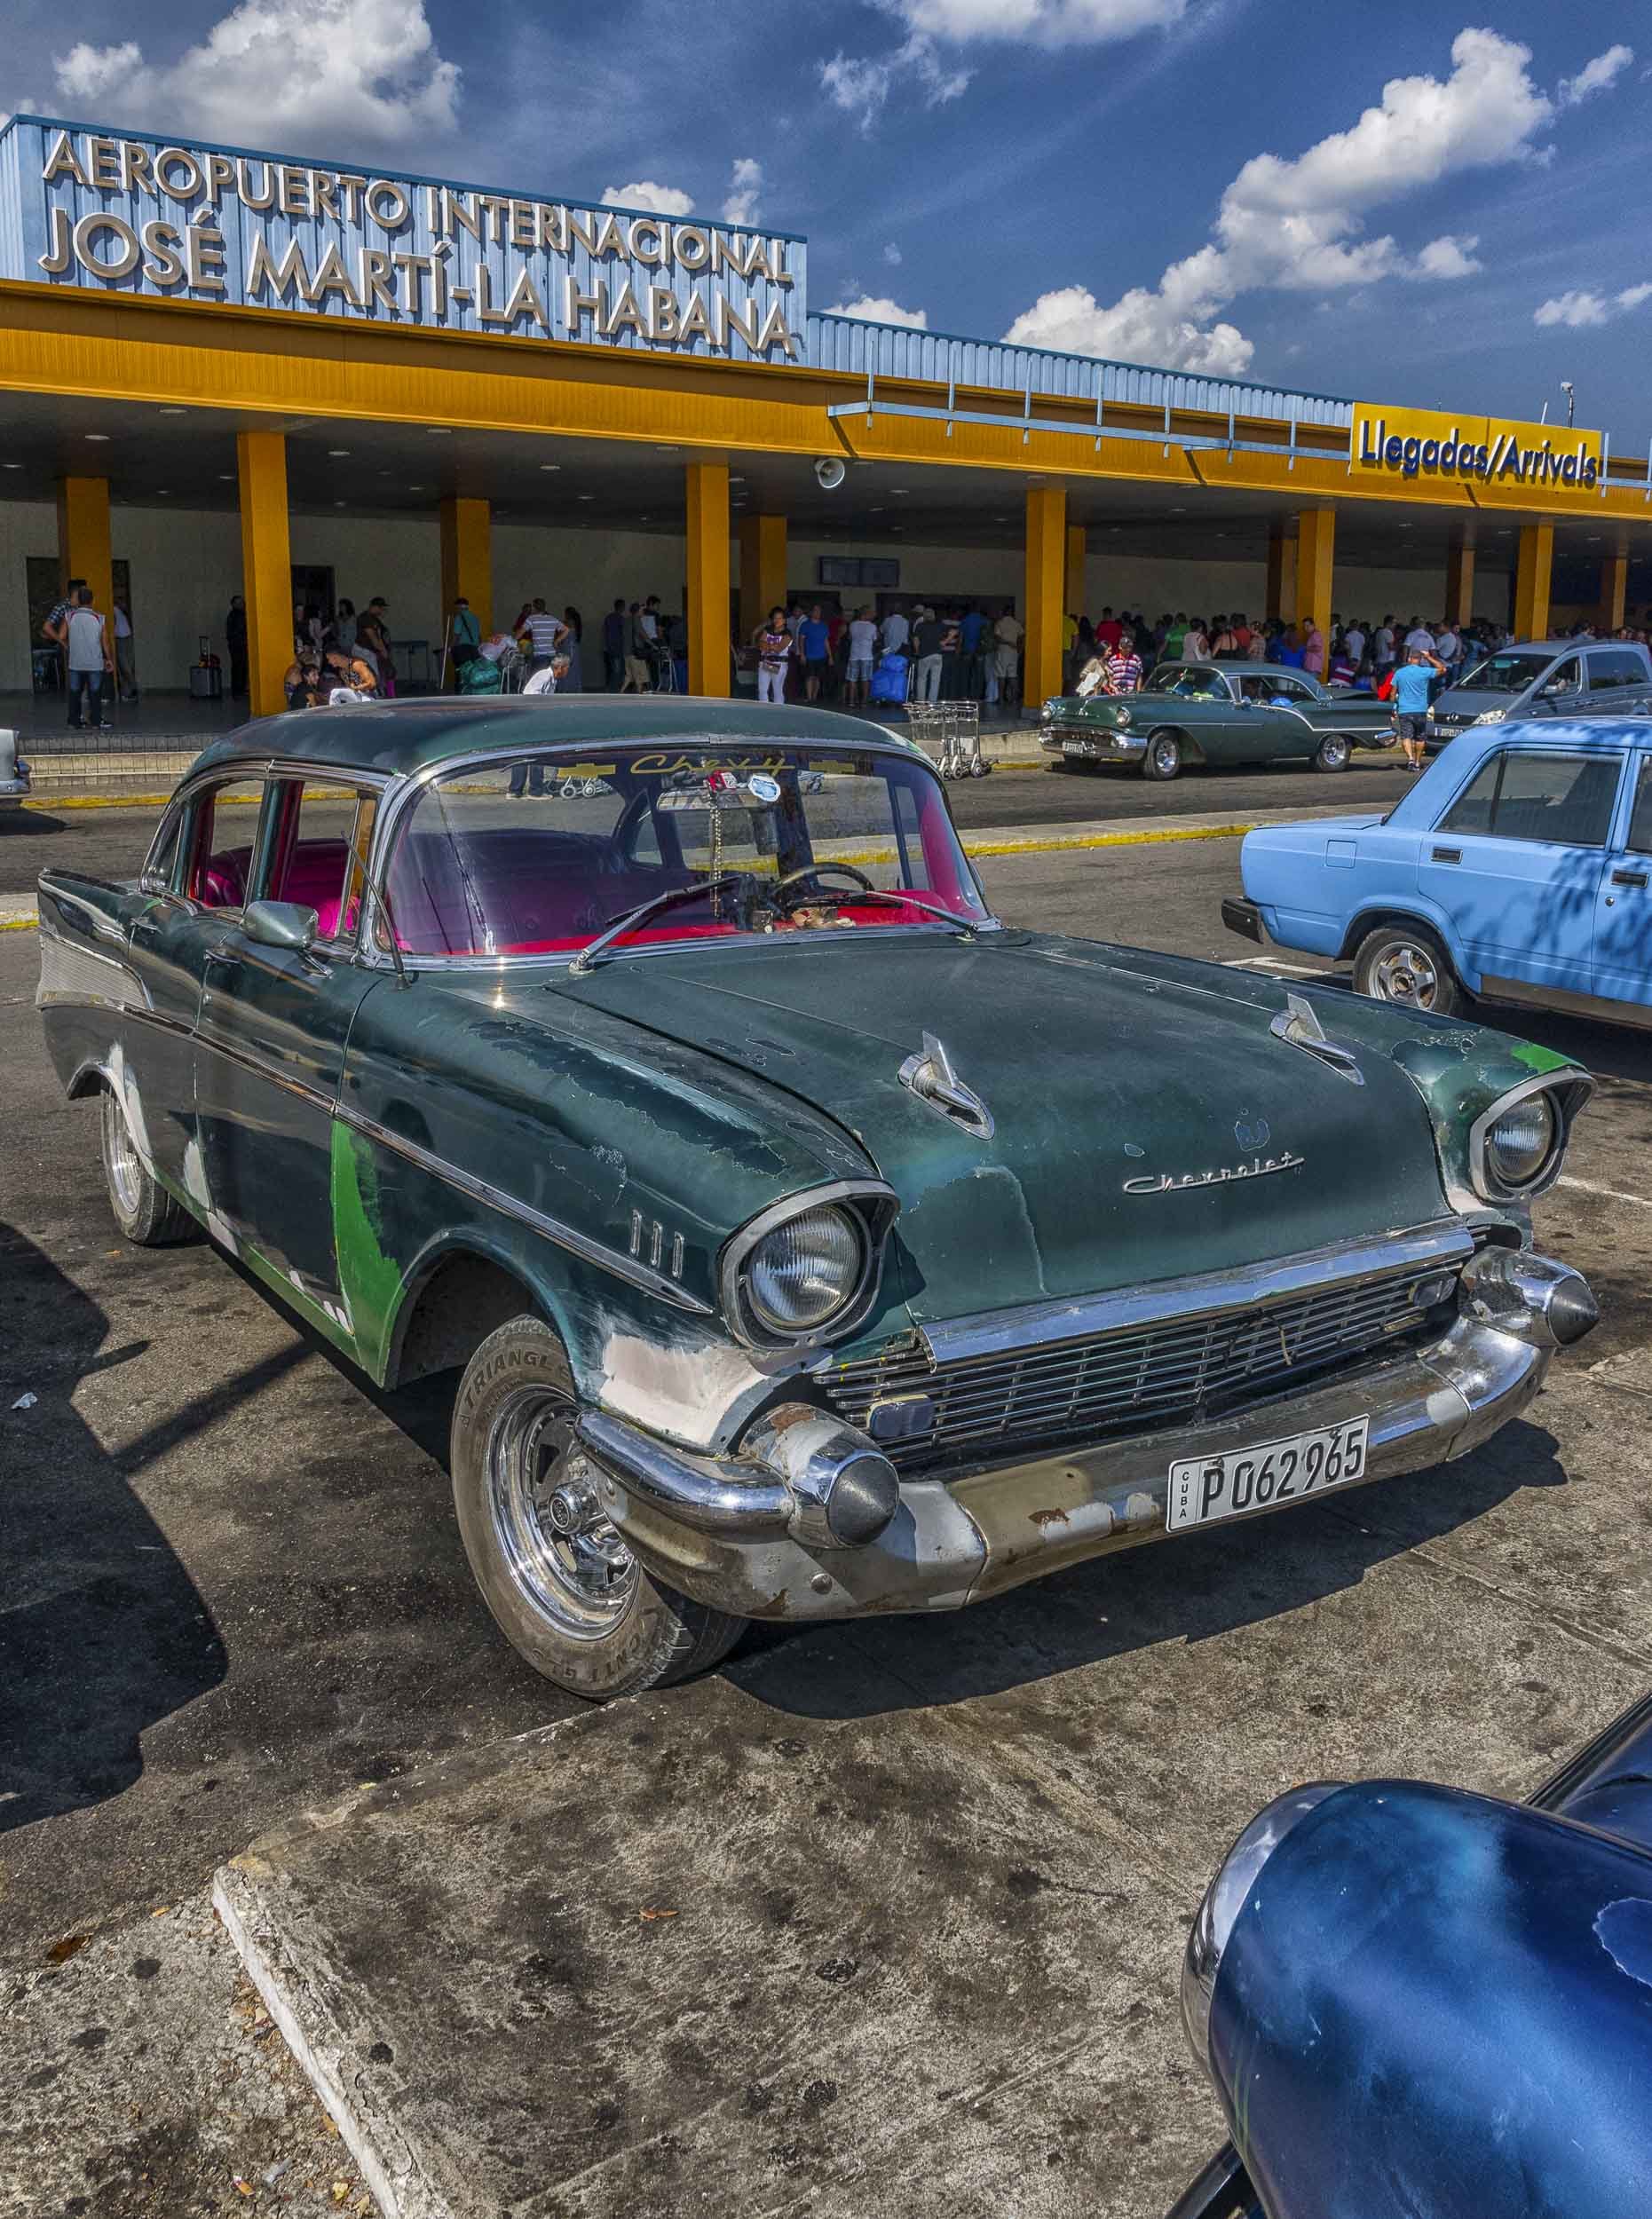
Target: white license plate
pixel 1078 747
pixel 1206 1490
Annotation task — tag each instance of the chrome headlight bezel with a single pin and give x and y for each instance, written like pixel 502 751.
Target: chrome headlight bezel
pixel 1566 1093
pixel 1490 716
pixel 867 1205
pixel 1225 1899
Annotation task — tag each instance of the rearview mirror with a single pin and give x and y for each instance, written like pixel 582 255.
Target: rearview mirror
pixel 280 925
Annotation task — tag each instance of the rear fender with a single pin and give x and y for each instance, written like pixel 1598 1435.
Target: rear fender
pixel 1417 910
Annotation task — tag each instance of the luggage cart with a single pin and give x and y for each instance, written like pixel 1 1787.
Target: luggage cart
pixel 960 736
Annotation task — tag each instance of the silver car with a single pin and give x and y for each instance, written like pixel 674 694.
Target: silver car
pixel 1546 678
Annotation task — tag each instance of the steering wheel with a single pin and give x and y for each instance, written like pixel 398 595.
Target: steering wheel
pixel 816 870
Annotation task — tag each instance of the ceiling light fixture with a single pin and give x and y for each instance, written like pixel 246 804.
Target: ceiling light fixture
pixel 100 438
pixel 587 496
pixel 337 451
pixel 226 477
pixel 172 409
pixel 550 466
pixel 10 466
pixel 439 431
pixel 415 489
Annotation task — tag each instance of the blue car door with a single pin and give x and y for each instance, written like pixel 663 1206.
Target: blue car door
pixel 1515 862
pixel 1623 917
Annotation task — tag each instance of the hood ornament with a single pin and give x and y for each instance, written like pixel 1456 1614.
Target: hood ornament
pixel 1299 1023
pixel 932 1078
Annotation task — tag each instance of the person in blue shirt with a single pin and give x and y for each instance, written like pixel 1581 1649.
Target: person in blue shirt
pixel 975 676
pixel 814 638
pixel 1410 702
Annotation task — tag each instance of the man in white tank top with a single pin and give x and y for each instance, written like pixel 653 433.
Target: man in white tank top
pixel 88 643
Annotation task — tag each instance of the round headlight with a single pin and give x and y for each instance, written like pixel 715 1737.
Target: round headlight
pixel 1121 717
pixel 1519 1145
pixel 805 1271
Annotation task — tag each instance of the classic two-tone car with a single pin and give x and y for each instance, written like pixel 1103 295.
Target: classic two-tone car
pixel 810 1244
pixel 1415 2000
pixel 1517 869
pixel 1216 714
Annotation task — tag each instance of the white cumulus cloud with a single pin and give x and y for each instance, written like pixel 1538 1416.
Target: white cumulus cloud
pixel 892 255
pixel 1300 223
pixel 1597 76
pixel 660 200
pixel 877 309
pixel 1576 310
pixel 282 73
pixel 745 184
pixel 1449 255
pixel 1048 22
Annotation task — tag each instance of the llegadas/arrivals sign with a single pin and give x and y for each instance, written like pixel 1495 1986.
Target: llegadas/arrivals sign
pixel 1535 458
pixel 115 213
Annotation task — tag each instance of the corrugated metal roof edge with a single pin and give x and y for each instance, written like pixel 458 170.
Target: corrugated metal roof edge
pixel 1100 361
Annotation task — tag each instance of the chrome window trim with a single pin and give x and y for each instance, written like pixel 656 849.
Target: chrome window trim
pixel 564 1237
pixel 1200 1294
pixel 874 1203
pixel 409 787
pixel 1571 1090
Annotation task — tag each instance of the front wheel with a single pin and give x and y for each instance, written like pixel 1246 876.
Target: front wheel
pixel 145 1214
pixel 562 1587
pixel 1408 964
pixel 1163 759
pixel 1334 752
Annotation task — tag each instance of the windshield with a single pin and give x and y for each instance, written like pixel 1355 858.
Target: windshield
pixel 776 839
pixel 1506 674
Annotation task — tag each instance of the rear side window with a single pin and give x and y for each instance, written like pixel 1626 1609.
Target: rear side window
pixel 1560 798
pixel 1640 822
pixel 1610 667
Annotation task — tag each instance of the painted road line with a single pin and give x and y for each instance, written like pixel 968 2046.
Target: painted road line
pixel 18 916
pixel 1605 1194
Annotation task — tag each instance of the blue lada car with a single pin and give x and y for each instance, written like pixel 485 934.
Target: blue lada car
pixel 1518 868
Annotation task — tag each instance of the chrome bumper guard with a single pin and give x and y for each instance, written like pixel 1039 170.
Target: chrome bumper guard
pixel 750 1539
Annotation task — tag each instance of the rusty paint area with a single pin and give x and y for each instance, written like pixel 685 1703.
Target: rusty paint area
pixel 1042 1518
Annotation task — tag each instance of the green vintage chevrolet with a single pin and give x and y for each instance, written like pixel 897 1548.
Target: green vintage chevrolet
pixel 806 1242
pixel 1216 714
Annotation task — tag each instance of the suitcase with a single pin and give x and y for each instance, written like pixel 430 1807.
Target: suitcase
pixel 206 675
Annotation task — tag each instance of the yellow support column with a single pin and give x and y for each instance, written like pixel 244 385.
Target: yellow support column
pixel 1614 592
pixel 762 570
pixel 468 558
pixel 1531 580
pixel 83 540
pixel 1316 549
pixel 1046 555
pixel 1281 574
pixel 1459 583
pixel 266 566
pixel 708 578
pixel 1072 582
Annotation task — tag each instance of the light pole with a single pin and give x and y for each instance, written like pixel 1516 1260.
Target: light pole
pixel 1571 405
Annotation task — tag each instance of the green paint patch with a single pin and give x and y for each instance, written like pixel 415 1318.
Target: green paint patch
pixel 1537 1059
pixel 369 1280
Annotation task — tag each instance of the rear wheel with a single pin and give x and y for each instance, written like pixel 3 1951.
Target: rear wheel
pixel 1334 752
pixel 1163 759
pixel 564 1588
pixel 1408 964
pixel 145 1214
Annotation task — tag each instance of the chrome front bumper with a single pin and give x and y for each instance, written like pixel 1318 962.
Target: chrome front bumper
pixel 1093 744
pixel 725 1533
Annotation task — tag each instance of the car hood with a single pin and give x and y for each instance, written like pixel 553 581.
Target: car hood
pixel 1111 1077
pixel 1475 700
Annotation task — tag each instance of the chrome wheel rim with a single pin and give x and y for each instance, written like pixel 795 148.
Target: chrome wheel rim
pixel 1166 754
pixel 563 1555
pixel 1334 753
pixel 119 1157
pixel 1406 973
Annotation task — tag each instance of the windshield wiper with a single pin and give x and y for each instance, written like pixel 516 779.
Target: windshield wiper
pixel 618 927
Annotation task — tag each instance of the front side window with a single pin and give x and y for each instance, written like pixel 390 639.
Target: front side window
pixel 221 843
pixel 316 851
pixel 1564 678
pixel 1560 798
pixel 540 856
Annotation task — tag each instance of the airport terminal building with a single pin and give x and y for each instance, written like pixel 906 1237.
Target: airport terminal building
pixel 228 371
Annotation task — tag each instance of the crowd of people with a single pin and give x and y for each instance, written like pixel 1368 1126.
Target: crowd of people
pixel 948 653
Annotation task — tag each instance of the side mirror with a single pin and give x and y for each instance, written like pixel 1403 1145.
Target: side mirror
pixel 288 925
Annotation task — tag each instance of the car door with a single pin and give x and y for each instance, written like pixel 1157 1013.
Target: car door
pixel 1560 693
pixel 1623 918
pixel 1617 680
pixel 271 1036
pixel 1513 863
pixel 1267 730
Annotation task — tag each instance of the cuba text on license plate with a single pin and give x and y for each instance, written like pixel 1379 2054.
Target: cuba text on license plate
pixel 1204 1489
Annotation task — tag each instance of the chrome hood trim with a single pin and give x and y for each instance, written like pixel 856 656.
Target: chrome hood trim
pixel 1037 1325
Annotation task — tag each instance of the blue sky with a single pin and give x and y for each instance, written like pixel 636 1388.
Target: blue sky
pixel 1449 213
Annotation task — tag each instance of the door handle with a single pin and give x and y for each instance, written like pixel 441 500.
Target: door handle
pixel 1629 878
pixel 1447 854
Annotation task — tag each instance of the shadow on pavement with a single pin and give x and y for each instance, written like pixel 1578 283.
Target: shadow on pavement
pixel 1193 1590
pixel 103 1632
